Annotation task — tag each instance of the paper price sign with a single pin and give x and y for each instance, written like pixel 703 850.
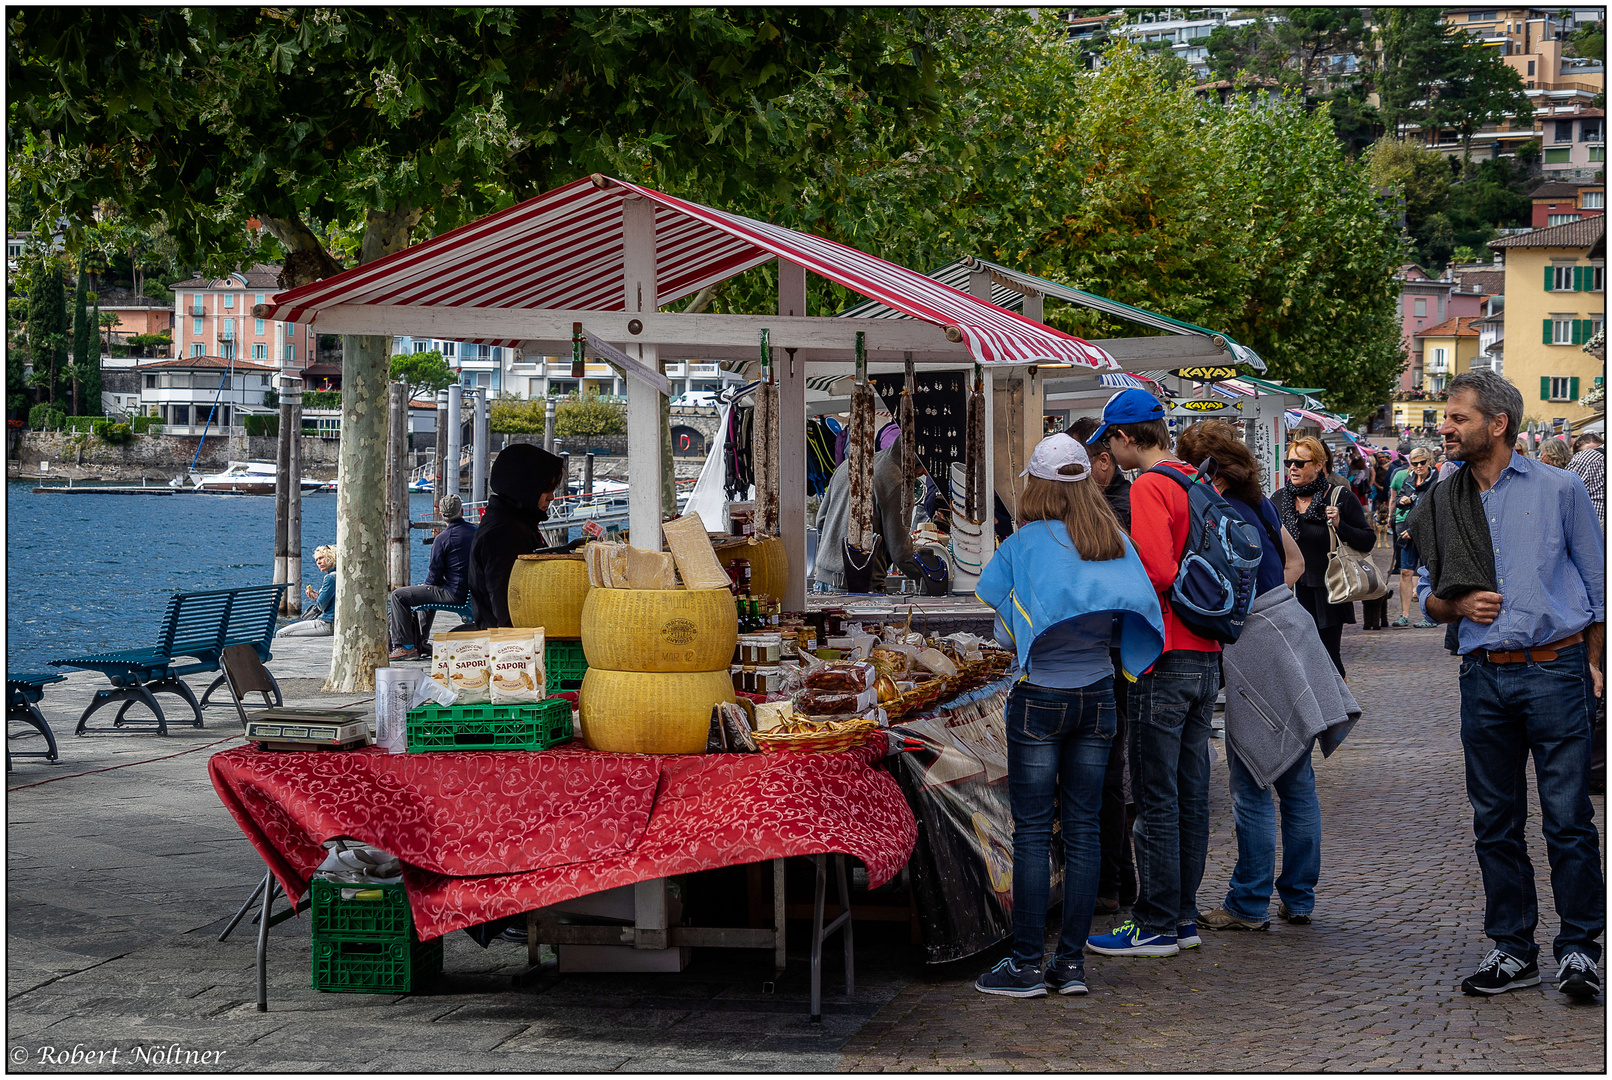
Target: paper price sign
pixel 593 529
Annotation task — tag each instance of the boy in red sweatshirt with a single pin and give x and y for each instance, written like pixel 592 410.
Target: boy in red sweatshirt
pixel 1170 705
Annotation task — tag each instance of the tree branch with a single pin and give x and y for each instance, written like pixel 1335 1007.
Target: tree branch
pixel 306 259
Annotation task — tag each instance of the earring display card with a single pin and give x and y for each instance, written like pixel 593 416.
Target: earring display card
pixel 939 405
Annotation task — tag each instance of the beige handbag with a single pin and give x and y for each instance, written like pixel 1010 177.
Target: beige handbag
pixel 1351 575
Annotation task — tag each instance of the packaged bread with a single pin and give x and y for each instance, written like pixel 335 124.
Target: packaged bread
pixel 439 657
pixel 844 676
pixel 696 558
pixel 516 662
pixel 469 674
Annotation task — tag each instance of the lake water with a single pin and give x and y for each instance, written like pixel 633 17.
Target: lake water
pixel 92 573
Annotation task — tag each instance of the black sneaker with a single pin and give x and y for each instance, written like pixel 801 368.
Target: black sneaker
pixel 1575 976
pixel 1292 918
pixel 1066 978
pixel 1105 906
pixel 1010 980
pixel 1500 972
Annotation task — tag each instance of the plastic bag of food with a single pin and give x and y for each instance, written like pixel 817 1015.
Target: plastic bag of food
pixel 516 662
pixel 469 674
pixel 811 702
pixel 854 676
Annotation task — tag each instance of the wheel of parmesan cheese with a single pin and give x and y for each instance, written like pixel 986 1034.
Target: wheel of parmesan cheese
pixel 660 630
pixel 548 591
pixel 640 712
pixel 769 565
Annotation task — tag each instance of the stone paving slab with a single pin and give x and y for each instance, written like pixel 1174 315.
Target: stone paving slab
pixel 119 882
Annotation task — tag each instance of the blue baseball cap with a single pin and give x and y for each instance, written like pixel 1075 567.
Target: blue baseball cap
pixel 1131 406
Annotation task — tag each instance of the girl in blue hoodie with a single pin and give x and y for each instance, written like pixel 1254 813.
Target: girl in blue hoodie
pixel 1066 587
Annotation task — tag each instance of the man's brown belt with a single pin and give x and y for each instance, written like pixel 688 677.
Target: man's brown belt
pixel 1532 655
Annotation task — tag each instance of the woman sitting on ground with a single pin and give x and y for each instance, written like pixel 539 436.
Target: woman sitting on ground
pixel 1065 585
pixel 319 620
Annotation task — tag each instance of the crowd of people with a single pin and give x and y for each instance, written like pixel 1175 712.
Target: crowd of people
pixel 1100 594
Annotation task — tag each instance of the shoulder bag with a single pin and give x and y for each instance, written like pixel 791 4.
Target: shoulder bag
pixel 1351 575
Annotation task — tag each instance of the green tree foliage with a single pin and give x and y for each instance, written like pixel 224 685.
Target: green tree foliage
pixel 1589 41
pixel 1439 79
pixel 1315 33
pixel 89 368
pixel 424 373
pixel 517 416
pixel 47 329
pixel 81 336
pixel 588 415
pixel 16 359
pixel 1251 49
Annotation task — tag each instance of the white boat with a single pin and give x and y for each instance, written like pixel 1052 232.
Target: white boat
pixel 243 477
pixel 422 484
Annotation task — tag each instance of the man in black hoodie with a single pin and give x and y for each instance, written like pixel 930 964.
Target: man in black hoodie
pixel 522 483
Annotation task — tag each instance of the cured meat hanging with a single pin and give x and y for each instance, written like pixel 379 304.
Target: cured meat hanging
pixel 764 445
pixel 907 419
pixel 860 538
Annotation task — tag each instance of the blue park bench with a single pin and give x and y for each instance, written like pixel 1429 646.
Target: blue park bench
pixel 197 626
pixel 23 693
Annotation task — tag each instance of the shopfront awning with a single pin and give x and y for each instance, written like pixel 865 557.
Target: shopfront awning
pixel 522 269
pixel 1007 287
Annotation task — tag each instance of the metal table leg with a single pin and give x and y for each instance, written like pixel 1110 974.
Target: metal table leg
pixel 270 888
pixel 245 907
pixel 821 932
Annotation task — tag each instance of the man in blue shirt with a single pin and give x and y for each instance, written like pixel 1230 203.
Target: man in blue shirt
pixel 1513 553
pixel 446 582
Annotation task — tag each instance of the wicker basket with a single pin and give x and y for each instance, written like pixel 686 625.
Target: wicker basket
pixel 919 699
pixel 825 737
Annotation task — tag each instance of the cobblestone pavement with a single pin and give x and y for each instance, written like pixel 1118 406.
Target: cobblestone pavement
pixel 1372 985
pixel 118 883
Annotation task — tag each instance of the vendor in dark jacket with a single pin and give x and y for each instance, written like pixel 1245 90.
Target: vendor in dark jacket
pixel 446 582
pixel 522 483
pixel 1312 505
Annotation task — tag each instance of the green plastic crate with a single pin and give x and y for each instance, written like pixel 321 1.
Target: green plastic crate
pixel 383 918
pixel 564 664
pixel 374 967
pixel 489 727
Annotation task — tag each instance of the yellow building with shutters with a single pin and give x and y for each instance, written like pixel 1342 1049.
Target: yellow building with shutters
pixel 1555 302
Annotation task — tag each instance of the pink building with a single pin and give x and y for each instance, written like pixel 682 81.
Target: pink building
pixel 1425 302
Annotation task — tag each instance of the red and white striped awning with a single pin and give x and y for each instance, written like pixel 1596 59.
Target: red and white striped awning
pixel 563 250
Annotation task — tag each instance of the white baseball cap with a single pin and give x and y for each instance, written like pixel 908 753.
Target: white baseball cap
pixel 1053 453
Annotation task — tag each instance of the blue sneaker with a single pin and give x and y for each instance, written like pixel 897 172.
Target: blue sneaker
pixel 1186 936
pixel 1066 978
pixel 1128 939
pixel 1010 980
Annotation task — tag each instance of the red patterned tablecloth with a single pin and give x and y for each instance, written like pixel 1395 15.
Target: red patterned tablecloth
pixel 484 835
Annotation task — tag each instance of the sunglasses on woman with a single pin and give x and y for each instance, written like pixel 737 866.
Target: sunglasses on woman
pixel 1297 463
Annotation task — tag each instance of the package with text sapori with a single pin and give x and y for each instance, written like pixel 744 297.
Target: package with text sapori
pixel 170 1054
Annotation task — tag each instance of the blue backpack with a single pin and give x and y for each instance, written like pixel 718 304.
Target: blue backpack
pixel 1215 584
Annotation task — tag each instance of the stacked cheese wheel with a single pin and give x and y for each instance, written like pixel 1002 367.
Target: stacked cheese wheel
pixel 658 660
pixel 769 565
pixel 549 591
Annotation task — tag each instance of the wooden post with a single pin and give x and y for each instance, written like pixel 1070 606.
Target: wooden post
pixel 587 473
pixel 792 441
pixel 292 394
pixel 283 480
pixel 397 490
pixel 644 413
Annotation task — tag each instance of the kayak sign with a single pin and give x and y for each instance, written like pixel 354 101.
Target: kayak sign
pixel 1206 374
pixel 1206 408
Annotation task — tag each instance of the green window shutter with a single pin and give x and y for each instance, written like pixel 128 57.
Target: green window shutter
pixel 1548 340
pixel 1572 388
pixel 1578 332
pixel 1579 284
pixel 1544 388
pixel 1550 278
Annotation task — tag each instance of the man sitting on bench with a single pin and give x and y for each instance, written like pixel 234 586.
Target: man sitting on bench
pixel 445 583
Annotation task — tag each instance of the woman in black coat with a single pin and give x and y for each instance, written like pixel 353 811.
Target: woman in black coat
pixel 1310 512
pixel 522 483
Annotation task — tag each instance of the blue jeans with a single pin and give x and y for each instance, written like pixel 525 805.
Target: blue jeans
pixel 1249 895
pixel 1058 744
pixel 1510 712
pixel 1169 715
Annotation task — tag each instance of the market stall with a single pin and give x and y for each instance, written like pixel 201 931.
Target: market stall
pixel 587 268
